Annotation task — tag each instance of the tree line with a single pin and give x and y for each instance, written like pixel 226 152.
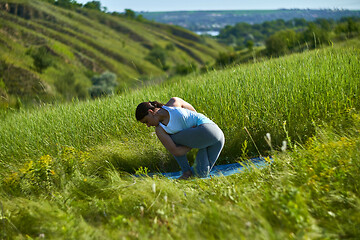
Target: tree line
pixel 281 36
pixel 94 5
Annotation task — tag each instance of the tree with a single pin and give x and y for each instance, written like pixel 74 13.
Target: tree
pixel 69 4
pixel 250 45
pixel 315 36
pixel 95 5
pixel 276 45
pixel 129 13
pixel 41 56
pixel 281 42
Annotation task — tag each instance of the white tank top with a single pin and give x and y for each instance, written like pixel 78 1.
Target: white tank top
pixel 182 118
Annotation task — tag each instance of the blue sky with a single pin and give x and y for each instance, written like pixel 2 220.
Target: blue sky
pixel 177 5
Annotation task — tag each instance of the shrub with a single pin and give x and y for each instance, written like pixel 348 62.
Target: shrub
pixel 279 43
pixel 225 59
pixel 67 86
pixel 103 84
pixel 315 36
pixel 184 69
pixel 130 13
pixel 42 58
pixel 157 56
pixel 170 47
pixel 250 45
pixel 95 5
pixel 47 173
pixel 350 28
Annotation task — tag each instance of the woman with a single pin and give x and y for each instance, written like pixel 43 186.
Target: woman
pixel 180 128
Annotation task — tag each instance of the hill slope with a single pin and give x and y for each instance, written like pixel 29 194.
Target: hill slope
pixel 70 46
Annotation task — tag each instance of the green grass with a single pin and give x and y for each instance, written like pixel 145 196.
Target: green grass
pixel 65 168
pixel 301 90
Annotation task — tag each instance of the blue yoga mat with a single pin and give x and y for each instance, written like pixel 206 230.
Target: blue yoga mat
pixel 226 169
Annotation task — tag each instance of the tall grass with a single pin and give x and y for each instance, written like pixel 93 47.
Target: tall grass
pixel 286 97
pixel 309 193
pixel 60 164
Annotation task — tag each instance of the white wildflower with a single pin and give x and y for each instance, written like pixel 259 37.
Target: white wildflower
pixel 284 146
pixel 153 187
pixel 268 136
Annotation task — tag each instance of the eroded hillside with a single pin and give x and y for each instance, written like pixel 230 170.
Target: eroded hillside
pixel 50 51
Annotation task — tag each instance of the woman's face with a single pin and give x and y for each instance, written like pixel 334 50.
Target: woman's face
pixel 150 119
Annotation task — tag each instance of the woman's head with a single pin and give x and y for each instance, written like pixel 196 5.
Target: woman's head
pixel 143 109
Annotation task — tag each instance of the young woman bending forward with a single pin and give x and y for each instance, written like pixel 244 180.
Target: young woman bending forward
pixel 180 128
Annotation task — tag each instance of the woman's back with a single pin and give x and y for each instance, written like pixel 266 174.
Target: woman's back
pixel 181 118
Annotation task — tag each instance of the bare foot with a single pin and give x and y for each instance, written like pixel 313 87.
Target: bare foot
pixel 186 175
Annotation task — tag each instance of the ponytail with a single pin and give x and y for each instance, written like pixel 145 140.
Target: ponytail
pixel 156 104
pixel 143 108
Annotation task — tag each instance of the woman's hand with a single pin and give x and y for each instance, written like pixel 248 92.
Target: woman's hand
pixel 169 144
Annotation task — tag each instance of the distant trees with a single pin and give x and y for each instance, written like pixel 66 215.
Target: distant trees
pixel 281 37
pixel 72 4
pixel 279 40
pixel 69 4
pixel 348 27
pixel 315 36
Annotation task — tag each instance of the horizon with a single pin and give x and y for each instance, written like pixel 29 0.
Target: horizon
pixel 225 10
pixel 224 5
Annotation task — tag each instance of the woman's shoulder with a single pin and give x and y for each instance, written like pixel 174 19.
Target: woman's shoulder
pixel 175 102
pixel 179 103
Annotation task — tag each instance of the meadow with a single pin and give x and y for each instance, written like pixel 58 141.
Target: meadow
pixel 66 169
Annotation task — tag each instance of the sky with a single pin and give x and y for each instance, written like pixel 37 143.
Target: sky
pixel 178 5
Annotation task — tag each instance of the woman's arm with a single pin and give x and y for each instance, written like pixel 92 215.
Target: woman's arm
pixel 178 102
pixel 169 144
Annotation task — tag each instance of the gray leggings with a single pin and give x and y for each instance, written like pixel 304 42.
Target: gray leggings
pixel 209 139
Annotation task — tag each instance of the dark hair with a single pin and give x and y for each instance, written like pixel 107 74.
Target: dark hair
pixel 143 108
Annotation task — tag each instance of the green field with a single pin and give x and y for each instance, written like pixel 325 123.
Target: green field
pixel 65 169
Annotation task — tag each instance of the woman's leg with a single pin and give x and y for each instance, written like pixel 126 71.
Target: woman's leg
pixel 209 139
pixel 183 163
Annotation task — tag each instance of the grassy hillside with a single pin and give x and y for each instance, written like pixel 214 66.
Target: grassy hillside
pixel 300 91
pixel 64 169
pixel 49 51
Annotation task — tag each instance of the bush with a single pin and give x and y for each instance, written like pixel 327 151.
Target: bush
pixel 47 173
pixel 225 59
pixel 66 85
pixel 42 58
pixel 250 45
pixel 157 56
pixel 170 47
pixel 315 36
pixel 104 84
pixel 350 28
pixel 280 43
pixel 95 5
pixel 184 69
pixel 130 13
